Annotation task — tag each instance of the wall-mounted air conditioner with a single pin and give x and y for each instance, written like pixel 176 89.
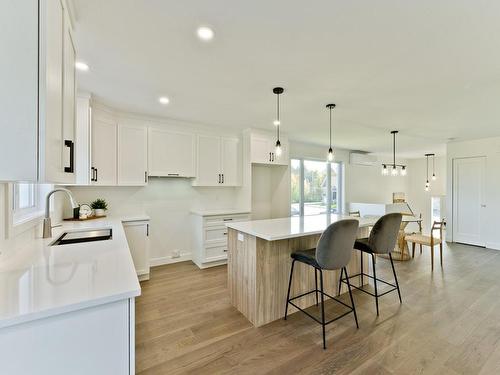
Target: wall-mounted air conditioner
pixel 358 158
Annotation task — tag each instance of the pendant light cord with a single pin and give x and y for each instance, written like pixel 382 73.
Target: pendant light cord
pixel 278 115
pixel 427 156
pixel 394 150
pixel 330 127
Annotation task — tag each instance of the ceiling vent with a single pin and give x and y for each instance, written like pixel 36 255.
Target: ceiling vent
pixel 361 158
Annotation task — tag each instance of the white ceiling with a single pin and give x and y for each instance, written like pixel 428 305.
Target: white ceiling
pixel 429 68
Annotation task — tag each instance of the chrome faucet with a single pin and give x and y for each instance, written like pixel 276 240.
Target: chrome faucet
pixel 47 225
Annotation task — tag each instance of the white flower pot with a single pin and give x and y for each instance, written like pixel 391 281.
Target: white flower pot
pixel 99 212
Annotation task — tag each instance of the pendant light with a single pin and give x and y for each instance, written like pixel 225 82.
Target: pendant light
pixel 330 150
pixel 278 91
pixel 434 178
pixel 427 183
pixel 393 166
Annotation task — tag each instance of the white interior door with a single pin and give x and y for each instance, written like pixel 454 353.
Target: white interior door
pixel 468 200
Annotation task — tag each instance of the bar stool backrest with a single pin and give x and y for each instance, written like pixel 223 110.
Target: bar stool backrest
pixel 384 233
pixel 335 245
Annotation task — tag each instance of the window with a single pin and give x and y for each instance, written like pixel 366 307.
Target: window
pixel 27 204
pixel 315 187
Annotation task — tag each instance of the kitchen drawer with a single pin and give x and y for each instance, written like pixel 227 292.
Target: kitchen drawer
pixel 215 253
pixel 218 233
pixel 223 219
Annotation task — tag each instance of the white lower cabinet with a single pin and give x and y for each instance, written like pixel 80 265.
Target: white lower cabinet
pixel 95 340
pixel 210 237
pixel 137 233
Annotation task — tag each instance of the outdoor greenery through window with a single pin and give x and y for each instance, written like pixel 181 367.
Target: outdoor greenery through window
pixel 315 187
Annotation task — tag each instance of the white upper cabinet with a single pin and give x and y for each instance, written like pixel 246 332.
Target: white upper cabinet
pixel 218 161
pixel 37 76
pixel 132 155
pixel 263 149
pixel 231 161
pixel 208 161
pixel 104 152
pixel 171 154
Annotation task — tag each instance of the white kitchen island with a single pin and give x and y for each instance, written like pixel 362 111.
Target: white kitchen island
pixel 259 263
pixel 68 309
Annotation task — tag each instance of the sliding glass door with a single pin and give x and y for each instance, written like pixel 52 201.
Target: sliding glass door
pixel 315 187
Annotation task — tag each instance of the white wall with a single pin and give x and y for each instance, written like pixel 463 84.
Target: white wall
pixel 490 148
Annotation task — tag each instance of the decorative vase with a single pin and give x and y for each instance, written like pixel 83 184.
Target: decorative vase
pixel 99 212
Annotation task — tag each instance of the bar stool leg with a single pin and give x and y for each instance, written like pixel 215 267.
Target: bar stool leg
pixel 395 278
pixel 289 287
pixel 362 278
pixel 322 308
pixel 352 300
pixel 316 284
pixel 375 282
pixel 340 280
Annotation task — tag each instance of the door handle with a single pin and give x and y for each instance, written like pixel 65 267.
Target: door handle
pixel 71 145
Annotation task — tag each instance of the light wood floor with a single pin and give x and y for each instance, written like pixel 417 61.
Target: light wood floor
pixel 449 323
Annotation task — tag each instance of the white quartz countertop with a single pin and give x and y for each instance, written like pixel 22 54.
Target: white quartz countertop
pixel 38 280
pixel 229 211
pixel 295 226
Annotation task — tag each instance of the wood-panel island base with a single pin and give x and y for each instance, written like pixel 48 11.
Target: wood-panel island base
pixel 259 270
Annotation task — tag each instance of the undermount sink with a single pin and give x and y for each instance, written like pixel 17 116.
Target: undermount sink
pixel 83 236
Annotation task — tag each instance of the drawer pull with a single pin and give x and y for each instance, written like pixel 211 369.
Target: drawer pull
pixel 225 233
pixel 227 219
pixel 225 250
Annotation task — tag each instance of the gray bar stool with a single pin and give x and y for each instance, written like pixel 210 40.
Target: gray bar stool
pixel 333 252
pixel 382 240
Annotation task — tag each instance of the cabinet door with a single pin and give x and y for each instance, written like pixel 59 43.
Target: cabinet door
pixel 69 102
pixel 260 149
pixel 50 100
pixel 171 154
pixel 19 91
pixel 103 152
pixel 137 234
pixel 209 160
pixel 231 161
pixel 132 155
pixel 82 140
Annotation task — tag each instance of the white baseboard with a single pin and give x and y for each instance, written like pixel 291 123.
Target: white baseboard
pixel 493 245
pixel 160 261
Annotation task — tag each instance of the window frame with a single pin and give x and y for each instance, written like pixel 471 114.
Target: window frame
pixel 340 191
pixel 20 220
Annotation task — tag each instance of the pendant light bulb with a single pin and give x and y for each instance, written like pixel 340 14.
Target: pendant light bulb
pixel 276 122
pixel 385 171
pixel 434 177
pixel 394 171
pixel 278 148
pixel 330 154
pixel 403 171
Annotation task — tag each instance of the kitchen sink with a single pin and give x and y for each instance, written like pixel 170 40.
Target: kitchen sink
pixel 84 236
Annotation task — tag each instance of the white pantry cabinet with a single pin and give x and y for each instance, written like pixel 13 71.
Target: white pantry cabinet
pixel 263 149
pixel 132 155
pixel 137 233
pixel 170 154
pixel 37 92
pixel 218 161
pixel 103 152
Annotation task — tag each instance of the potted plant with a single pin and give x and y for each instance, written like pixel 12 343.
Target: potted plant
pixel 99 206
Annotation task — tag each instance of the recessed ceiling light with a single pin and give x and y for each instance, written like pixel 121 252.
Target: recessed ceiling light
pixel 205 33
pixel 80 65
pixel 164 100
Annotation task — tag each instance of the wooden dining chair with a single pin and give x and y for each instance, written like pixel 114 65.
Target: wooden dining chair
pixel 430 241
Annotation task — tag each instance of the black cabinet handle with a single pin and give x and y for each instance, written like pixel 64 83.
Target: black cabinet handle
pixel 219 178
pixel 95 169
pixel 272 155
pixel 269 156
pixel 223 178
pixel 71 146
pixel 172 174
pixel 225 250
pixel 146 176
pixel 92 174
pixel 227 219
pixel 147 230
